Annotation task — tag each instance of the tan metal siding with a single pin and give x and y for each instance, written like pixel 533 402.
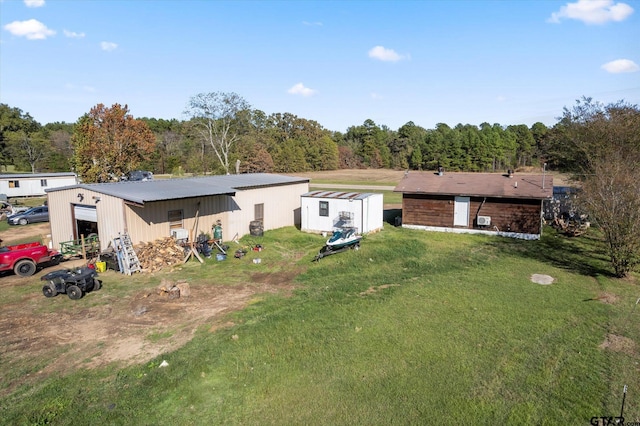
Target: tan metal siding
pixel 281 207
pixel 151 222
pixel 61 204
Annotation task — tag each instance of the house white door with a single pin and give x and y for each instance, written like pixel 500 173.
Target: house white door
pixel 461 211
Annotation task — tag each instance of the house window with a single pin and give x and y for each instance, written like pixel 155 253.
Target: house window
pixel 43 182
pixel 258 212
pixel 14 184
pixel 175 219
pixel 324 208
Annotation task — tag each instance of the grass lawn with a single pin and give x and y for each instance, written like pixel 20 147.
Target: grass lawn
pixel 414 328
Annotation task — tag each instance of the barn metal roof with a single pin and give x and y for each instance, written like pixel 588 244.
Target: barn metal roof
pixel 338 195
pixel 171 189
pixel 526 186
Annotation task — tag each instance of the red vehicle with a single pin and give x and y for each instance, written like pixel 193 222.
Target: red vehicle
pixel 24 259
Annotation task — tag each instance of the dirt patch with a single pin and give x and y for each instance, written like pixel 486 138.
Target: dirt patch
pixel 372 289
pixel 282 279
pixel 617 343
pixel 105 327
pixel 36 230
pixel 125 330
pixel 608 298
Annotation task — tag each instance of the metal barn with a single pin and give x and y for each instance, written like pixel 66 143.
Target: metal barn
pixel 323 211
pixel 160 208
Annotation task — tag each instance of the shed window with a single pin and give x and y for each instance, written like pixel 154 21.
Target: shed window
pixel 258 212
pixel 324 208
pixel 175 219
pixel 14 184
pixel 43 182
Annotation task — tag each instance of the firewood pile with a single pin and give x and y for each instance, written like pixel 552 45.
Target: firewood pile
pixel 572 228
pixel 159 254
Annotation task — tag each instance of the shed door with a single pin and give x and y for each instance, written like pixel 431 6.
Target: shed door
pixel 461 211
pixel 87 213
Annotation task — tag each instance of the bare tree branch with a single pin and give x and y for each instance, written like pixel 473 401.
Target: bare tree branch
pixel 215 117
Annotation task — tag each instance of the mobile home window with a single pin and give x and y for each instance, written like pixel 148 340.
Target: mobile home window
pixel 175 219
pixel 43 182
pixel 258 211
pixel 324 208
pixel 14 184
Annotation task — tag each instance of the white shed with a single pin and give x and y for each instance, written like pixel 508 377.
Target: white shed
pixel 34 184
pixel 323 211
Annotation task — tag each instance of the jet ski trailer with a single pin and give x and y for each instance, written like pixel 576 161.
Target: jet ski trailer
pixel 341 240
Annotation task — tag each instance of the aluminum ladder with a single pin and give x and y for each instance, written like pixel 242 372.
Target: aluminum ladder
pixel 127 257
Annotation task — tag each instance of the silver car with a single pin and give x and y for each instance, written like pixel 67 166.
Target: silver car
pixel 33 215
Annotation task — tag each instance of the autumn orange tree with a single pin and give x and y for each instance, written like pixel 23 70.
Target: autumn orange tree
pixel 109 142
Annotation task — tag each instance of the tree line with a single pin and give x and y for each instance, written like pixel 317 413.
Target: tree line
pixel 223 130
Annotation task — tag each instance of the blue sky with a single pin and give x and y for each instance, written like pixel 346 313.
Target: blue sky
pixel 336 62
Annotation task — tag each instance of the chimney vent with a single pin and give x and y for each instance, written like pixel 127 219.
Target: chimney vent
pixel 510 173
pixel 440 171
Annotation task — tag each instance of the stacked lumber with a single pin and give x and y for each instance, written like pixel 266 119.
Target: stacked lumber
pixel 159 254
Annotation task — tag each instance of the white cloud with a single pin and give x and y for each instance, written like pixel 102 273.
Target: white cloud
pixel 34 3
pixel 383 54
pixel 72 34
pixel 312 24
pixel 592 12
pixel 31 29
pixel 621 65
pixel 108 46
pixel 299 89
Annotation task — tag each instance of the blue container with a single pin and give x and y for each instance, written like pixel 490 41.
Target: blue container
pixel 221 256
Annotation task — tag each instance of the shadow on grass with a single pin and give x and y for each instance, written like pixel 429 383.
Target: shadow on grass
pixel 584 255
pixel 390 215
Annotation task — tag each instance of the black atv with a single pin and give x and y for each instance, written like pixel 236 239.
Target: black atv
pixel 74 282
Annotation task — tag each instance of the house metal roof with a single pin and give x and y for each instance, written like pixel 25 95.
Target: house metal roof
pixel 525 186
pixel 338 195
pixel 36 175
pixel 171 189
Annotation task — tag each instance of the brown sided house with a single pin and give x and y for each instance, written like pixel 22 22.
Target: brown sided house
pixel 490 203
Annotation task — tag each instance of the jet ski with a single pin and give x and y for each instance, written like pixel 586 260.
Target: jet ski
pixel 342 238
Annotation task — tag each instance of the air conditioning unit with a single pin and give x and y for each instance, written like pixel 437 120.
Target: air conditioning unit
pixel 484 220
pixel 180 234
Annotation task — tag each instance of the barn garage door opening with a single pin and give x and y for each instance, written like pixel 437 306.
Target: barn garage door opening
pixel 86 221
